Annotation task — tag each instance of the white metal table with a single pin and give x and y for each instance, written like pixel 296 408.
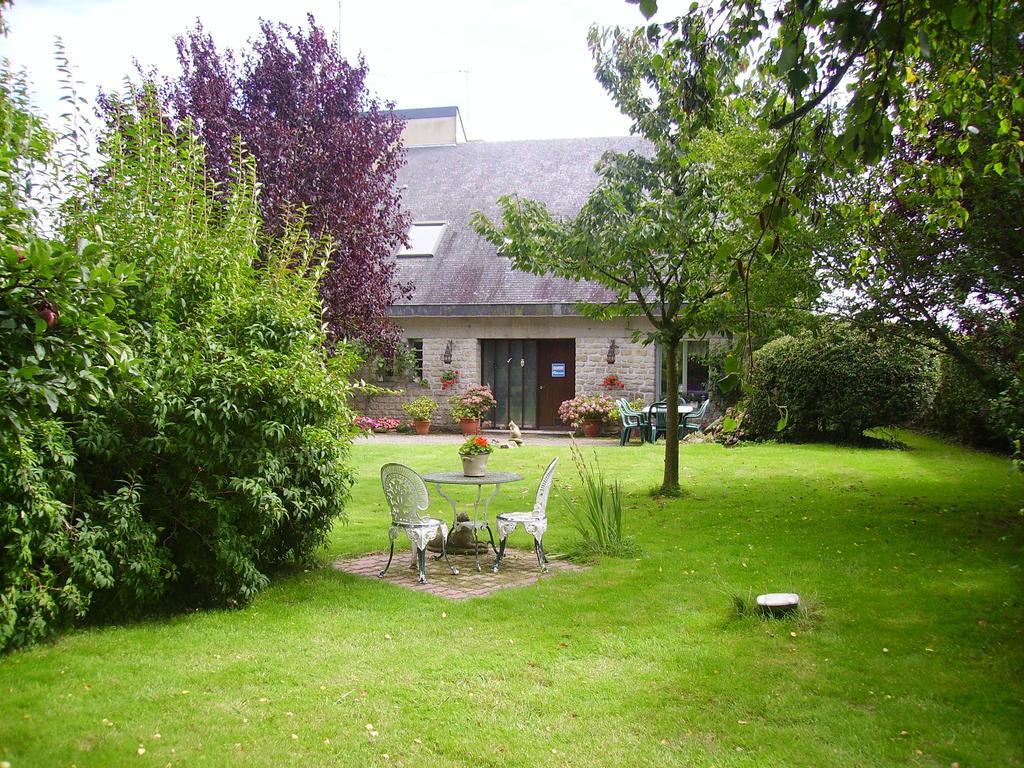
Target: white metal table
pixel 478 520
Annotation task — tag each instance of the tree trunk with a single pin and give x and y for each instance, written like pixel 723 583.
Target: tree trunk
pixel 670 483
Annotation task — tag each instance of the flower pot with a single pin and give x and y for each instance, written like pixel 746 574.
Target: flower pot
pixel 421 426
pixel 475 466
pixel 470 426
pixel 592 427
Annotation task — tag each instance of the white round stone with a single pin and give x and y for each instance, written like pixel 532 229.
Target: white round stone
pixel 779 600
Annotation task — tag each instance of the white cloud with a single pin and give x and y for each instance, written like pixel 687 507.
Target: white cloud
pixel 529 71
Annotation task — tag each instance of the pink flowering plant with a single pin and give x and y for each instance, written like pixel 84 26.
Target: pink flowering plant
pixel 473 403
pixel 370 424
pixel 585 407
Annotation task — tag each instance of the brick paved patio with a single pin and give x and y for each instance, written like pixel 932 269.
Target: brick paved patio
pixel 518 569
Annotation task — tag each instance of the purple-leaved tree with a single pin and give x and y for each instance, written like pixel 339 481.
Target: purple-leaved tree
pixel 321 142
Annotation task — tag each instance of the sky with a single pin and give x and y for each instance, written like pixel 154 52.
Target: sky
pixel 517 69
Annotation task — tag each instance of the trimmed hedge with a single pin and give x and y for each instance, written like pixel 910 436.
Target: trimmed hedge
pixel 962 409
pixel 835 384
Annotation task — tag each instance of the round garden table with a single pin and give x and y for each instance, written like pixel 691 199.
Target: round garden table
pixel 659 411
pixel 478 520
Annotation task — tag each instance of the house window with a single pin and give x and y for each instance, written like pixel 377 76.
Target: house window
pixel 416 352
pixel 406 364
pixel 695 377
pixel 693 371
pixel 424 237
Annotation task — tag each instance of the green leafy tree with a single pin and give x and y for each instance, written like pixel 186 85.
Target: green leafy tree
pixel 665 231
pixel 954 285
pixel 926 94
pixel 861 73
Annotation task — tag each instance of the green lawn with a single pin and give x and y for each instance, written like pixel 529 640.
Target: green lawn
pixel 914 558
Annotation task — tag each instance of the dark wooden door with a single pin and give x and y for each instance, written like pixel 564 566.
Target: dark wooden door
pixel 556 378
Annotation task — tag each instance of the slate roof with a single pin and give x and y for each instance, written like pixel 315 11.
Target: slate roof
pixel 467 276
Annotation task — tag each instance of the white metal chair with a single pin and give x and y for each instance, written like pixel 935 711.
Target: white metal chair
pixel 406 494
pixel 534 522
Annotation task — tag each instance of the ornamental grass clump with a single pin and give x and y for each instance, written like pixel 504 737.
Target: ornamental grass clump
pixel 473 403
pixel 597 512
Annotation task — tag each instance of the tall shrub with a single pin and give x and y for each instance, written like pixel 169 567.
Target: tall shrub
pixel 171 426
pixel 962 408
pixel 60 354
pixel 320 140
pixel 229 449
pixel 836 383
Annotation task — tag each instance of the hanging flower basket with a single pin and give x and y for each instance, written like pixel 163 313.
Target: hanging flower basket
pixel 612 381
pixel 449 379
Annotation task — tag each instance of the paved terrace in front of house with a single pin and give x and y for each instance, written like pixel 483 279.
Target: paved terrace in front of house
pixel 442 438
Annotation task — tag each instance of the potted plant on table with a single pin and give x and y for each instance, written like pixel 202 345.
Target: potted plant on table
pixel 474 453
pixel 587 412
pixel 469 406
pixel 420 410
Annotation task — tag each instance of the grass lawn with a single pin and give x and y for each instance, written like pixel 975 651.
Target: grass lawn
pixel 913 557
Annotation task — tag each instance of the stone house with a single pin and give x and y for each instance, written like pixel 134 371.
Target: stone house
pixel 471 312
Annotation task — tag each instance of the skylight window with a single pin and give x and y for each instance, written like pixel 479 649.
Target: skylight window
pixel 424 237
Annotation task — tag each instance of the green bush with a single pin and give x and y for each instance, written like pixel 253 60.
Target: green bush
pixel 233 439
pixel 180 469
pixel 835 384
pixel 60 353
pixel 421 409
pixel 962 409
pixel 1008 413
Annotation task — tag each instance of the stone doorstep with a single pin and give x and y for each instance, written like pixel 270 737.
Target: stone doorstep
pixel 518 569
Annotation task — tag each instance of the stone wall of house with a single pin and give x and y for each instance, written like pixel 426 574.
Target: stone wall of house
pixel 634 363
pixel 465 360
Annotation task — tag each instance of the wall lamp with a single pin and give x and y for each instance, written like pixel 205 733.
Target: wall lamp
pixel 448 353
pixel 611 352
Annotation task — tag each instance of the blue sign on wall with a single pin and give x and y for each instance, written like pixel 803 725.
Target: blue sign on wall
pixel 558 370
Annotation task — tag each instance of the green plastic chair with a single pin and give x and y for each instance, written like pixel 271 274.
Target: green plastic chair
pixel 690 422
pixel 631 420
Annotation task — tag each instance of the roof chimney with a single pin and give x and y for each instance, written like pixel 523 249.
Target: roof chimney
pixel 432 126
